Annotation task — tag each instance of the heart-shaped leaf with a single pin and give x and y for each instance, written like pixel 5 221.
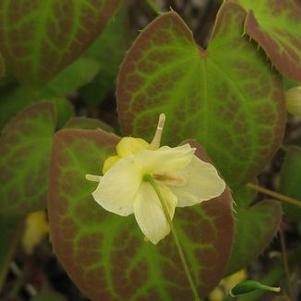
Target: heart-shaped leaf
pixel 226 97
pixel 105 254
pixel 40 38
pixel 290 181
pixel 25 147
pixel 255 227
pixel 276 27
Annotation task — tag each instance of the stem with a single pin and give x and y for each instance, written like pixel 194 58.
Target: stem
pixel 285 263
pixel 150 179
pixel 154 6
pixel 273 194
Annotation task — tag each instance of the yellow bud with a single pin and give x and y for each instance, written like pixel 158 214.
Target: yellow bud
pixel 217 295
pixel 36 228
pixel 130 146
pixel 293 101
pixel 109 162
pixel 234 279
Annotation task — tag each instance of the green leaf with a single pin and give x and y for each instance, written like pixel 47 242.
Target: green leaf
pixel 88 124
pixel 275 25
pixel 25 147
pixel 226 97
pixel 56 32
pixel 105 254
pixel 76 75
pixel 290 182
pixel 255 227
pixel 64 111
pixel 108 50
pixel 14 98
pixel 10 230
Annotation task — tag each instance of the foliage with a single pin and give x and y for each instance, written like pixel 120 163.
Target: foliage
pixel 59 64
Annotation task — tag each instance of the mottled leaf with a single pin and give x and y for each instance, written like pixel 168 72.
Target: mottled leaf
pixel 276 27
pixel 25 147
pixel 40 38
pixel 105 254
pixel 255 227
pixel 87 124
pixel 10 230
pixel 226 97
pixel 290 182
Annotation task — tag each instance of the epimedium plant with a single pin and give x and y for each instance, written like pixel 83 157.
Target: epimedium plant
pixel 225 102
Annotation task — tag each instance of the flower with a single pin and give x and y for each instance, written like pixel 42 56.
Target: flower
pixel 180 176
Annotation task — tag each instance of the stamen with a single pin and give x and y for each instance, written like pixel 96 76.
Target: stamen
pixel 93 178
pixel 155 144
pixel 170 180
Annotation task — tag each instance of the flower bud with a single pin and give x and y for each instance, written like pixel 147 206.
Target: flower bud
pixel 293 100
pixel 249 286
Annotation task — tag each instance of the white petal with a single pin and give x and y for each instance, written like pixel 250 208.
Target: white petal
pixel 165 160
pixel 117 189
pixel 202 183
pixel 149 213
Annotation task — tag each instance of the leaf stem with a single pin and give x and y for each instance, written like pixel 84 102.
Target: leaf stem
pixel 150 179
pixel 273 194
pixel 285 263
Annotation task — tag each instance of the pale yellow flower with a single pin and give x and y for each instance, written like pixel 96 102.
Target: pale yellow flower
pixel 183 180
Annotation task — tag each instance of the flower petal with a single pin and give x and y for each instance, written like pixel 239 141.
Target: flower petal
pixel 117 189
pixel 202 183
pixel 109 162
pixel 149 213
pixel 129 146
pixel 165 160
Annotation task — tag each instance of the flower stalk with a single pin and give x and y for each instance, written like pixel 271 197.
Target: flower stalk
pixel 273 194
pixel 148 178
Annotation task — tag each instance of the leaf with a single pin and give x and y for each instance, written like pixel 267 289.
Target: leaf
pixel 25 147
pixel 108 50
pixel 226 97
pixel 105 254
pixel 255 227
pixel 57 32
pixel 88 124
pixel 64 111
pixel 275 26
pixel 76 75
pixel 15 98
pixel 10 230
pixel 290 182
